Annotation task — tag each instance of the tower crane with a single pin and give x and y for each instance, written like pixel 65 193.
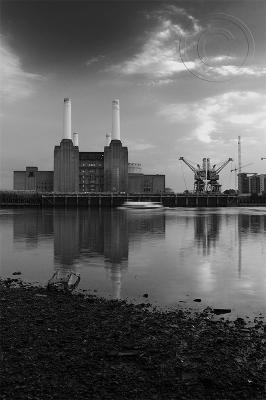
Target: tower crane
pixel 243 166
pixel 207 173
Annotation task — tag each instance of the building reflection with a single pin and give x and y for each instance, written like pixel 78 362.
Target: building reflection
pixel 31 226
pixel 246 224
pixel 88 233
pixel 115 247
pixel 206 231
pixel 66 237
pixel 255 223
pixel 84 234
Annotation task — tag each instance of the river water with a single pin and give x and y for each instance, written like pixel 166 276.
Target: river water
pixel 174 255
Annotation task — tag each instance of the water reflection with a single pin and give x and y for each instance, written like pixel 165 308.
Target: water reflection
pixel 206 231
pixel 31 226
pixel 88 233
pixel 214 252
pixel 255 223
pixel 66 238
pixel 115 248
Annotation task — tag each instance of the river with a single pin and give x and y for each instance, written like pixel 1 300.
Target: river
pixel 174 255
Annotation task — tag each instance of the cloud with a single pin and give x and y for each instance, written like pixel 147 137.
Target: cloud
pixel 159 57
pixel 172 47
pixel 15 83
pixel 139 145
pixel 94 60
pixel 231 70
pixel 214 119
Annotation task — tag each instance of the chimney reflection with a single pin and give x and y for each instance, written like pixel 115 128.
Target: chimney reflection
pixel 66 247
pixel 116 247
pixel 66 237
pixel 86 233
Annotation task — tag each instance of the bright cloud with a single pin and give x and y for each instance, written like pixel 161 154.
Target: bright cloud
pixel 159 57
pixel 163 58
pixel 233 70
pixel 215 117
pixel 15 83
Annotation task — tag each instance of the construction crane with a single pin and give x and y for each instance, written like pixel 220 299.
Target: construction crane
pixel 199 175
pixel 206 177
pixel 243 166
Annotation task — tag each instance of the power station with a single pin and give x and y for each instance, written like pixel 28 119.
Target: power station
pixel 76 171
pixel 109 171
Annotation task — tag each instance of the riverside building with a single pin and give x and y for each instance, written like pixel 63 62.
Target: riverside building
pixel 252 184
pixel 77 171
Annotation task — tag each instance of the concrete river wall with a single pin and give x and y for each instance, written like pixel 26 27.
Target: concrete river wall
pixel 27 198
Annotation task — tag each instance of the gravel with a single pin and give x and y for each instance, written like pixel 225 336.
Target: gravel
pixel 58 345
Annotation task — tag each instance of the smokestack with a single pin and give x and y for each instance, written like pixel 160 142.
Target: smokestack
pixel 67 119
pixel 115 120
pixel 76 139
pixel 107 139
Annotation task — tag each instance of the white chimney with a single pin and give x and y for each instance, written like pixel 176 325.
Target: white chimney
pixel 115 120
pixel 67 119
pixel 107 139
pixel 76 139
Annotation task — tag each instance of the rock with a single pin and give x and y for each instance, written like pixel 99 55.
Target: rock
pixel 128 353
pixel 145 295
pixel 219 311
pixel 197 300
pixel 79 347
pixel 16 273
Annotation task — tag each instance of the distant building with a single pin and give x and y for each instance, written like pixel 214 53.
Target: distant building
pixel 140 183
pixel 243 183
pixel 134 168
pixel 115 167
pixel 262 183
pixel 33 179
pixel 91 171
pixel 254 184
pixel 66 167
pixel 75 171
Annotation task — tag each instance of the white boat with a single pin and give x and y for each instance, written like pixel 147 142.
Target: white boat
pixel 142 205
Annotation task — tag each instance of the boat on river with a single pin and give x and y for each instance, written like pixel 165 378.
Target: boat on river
pixel 143 205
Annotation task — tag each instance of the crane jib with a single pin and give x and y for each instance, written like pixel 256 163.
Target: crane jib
pixel 206 177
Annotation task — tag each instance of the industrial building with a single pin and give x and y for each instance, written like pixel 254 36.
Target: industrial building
pixel 251 183
pixel 33 179
pixel 77 171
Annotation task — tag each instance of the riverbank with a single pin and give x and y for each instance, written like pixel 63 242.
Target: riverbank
pixel 30 198
pixel 61 346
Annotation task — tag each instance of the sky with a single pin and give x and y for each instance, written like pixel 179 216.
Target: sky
pixel 190 77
